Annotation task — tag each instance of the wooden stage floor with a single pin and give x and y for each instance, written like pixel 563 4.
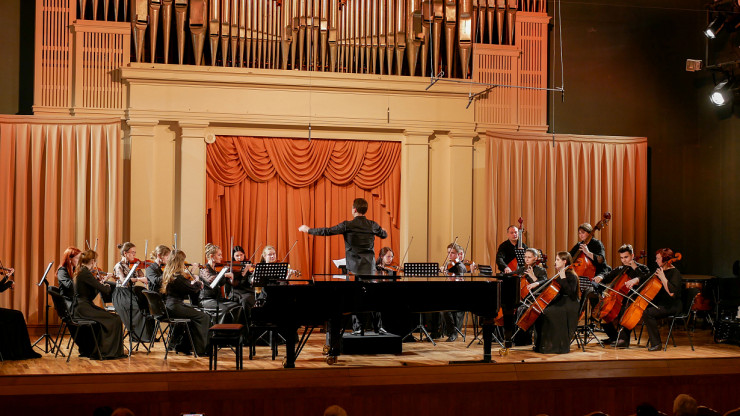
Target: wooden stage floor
pixel 370 384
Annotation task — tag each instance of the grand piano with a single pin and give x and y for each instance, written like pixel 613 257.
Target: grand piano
pixel 312 303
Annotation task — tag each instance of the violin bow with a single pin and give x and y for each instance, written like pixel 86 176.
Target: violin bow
pixel 288 253
pixel 407 250
pixel 249 260
pixel 447 259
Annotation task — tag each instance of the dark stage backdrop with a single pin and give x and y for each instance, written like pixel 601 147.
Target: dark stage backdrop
pixel 625 75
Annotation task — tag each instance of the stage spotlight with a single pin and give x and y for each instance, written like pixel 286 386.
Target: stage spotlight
pixel 714 27
pixel 722 93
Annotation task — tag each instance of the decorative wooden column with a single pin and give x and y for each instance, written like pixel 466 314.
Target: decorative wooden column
pixel 415 196
pixel 461 191
pixel 190 182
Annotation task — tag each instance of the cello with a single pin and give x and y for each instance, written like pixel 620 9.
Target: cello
pixel 645 296
pixel 524 282
pixel 514 263
pixel 543 299
pixel 609 306
pixel 582 265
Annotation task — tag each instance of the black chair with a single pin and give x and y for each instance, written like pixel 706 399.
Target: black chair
pixel 226 335
pixel 688 298
pixel 68 322
pixel 158 310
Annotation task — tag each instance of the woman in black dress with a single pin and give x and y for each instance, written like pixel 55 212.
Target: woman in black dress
pixel 130 310
pixel 14 341
pixel 668 299
pixel 557 324
pixel 228 311
pixel 109 332
pixel 178 284
pixel 242 290
pixel 155 270
pixel 70 259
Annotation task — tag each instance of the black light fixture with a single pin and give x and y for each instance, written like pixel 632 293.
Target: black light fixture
pixel 723 93
pixel 715 26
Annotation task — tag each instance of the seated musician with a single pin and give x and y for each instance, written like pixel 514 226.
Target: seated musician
pixel 668 299
pixel 130 310
pixel 109 331
pixel 211 298
pixel 535 276
pixel 637 273
pixel 453 320
pixel 70 259
pixel 506 250
pixel 594 250
pixel 242 291
pixel 14 341
pixel 470 266
pixel 155 270
pixel 178 284
pixel 557 324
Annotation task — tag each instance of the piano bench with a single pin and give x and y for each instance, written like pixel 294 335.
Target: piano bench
pixel 226 335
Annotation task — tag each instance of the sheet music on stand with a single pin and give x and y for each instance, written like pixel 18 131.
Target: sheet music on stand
pixel 218 278
pixel 266 273
pixel 519 253
pixel 421 269
pixel 128 276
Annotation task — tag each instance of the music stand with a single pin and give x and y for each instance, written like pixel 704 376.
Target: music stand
pixel 418 270
pixel 266 273
pixel 587 287
pixel 127 284
pixel 46 337
pixel 485 270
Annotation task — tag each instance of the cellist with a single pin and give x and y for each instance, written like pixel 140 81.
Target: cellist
pixel 535 276
pixel 668 299
pixel 557 324
pixel 636 274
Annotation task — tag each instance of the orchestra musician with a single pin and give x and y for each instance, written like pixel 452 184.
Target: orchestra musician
pixel 453 320
pixel 536 275
pixel 155 270
pixel 70 259
pixel 557 324
pixel 506 250
pixel 130 310
pixel 242 290
pixel 109 332
pixel 461 257
pixel 14 341
pixel 637 274
pixel 592 248
pixel 668 299
pixel 210 298
pixel 178 284
pixel 359 238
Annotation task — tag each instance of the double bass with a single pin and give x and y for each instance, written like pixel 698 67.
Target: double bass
pixel 609 306
pixel 514 263
pixel 645 296
pixel 582 265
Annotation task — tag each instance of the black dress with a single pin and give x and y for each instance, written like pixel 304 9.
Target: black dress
pixel 557 324
pixel 667 305
pixel 177 291
pixel 66 286
pixel 109 332
pixel 242 292
pixel 228 311
pixel 131 310
pixel 525 337
pixel 359 242
pixel 14 341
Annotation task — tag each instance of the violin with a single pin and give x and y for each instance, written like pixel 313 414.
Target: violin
pixel 611 303
pixel 582 265
pixel 388 270
pixel 544 298
pixel 645 295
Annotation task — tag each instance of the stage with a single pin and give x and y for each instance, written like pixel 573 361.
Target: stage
pixel 419 381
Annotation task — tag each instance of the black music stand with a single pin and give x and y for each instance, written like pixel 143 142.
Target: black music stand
pixel 485 270
pixel 46 337
pixel 420 270
pixel 267 273
pixel 587 287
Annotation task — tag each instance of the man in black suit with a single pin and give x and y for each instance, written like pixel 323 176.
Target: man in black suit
pixel 359 238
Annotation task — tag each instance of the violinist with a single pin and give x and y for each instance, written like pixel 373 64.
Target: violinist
pixel 470 266
pixel 453 320
pixel 668 299
pixel 242 291
pixel 535 276
pixel 155 270
pixel 70 259
pixel 636 273
pixel 177 288
pixel 383 263
pixel 557 324
pixel 359 238
pixel 507 250
pixel 14 341
pixel 129 301
pixel 109 332
pixel 383 268
pixel 211 298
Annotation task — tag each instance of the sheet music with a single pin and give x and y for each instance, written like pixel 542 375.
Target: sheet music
pixel 45 273
pixel 130 273
pixel 340 263
pixel 219 277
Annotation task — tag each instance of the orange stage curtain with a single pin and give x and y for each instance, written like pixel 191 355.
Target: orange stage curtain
pixel 61 184
pixel 557 187
pixel 260 190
